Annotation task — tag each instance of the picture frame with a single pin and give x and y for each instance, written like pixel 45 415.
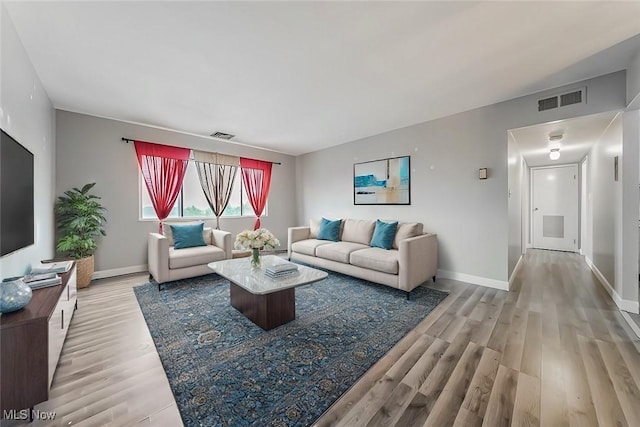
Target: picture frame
pixel 382 182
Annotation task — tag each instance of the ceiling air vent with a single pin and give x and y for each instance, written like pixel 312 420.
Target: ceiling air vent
pixel 222 135
pixel 548 103
pixel 571 98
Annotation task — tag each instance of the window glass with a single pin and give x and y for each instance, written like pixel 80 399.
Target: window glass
pixel 247 210
pixel 147 207
pixel 233 208
pixel 194 202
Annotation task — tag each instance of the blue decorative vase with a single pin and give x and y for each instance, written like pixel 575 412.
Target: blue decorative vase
pixel 14 294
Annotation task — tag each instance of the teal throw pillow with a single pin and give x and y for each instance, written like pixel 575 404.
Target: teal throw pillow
pixel 329 230
pixel 187 236
pixel 384 234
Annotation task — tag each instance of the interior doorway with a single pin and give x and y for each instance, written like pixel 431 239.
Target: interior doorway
pixel 555 197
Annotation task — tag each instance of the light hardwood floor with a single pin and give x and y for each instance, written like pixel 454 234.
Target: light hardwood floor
pixel 554 351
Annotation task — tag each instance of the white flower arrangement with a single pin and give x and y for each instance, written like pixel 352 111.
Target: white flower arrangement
pixel 257 239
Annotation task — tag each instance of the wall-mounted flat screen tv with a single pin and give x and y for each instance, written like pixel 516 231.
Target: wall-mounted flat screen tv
pixel 16 195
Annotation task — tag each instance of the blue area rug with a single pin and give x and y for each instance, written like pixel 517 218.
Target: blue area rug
pixel 224 370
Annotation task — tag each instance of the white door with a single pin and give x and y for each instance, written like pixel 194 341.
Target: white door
pixel 555 208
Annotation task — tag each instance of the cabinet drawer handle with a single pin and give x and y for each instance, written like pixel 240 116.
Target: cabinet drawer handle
pixel 62 320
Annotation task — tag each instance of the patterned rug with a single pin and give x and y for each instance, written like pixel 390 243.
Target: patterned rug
pixel 224 370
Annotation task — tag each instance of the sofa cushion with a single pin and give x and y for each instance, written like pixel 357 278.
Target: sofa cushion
pixel 308 247
pixel 314 228
pixel 329 230
pixel 187 235
pixel 199 255
pixel 378 259
pixel 405 231
pixel 166 231
pixel 358 231
pixel 338 251
pixel 383 234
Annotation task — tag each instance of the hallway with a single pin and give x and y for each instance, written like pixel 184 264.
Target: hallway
pixel 553 351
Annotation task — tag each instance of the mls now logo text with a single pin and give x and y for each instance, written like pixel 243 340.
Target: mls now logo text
pixel 23 414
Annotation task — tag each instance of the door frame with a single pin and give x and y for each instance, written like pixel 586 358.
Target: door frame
pixel 531 207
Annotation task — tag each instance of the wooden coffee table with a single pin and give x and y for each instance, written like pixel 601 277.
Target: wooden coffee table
pixel 267 302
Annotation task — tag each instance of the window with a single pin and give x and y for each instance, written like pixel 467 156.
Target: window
pixel 193 204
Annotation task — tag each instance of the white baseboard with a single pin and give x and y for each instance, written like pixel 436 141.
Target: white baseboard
pixel 475 280
pixel 634 327
pixel 102 274
pixel 515 270
pixel 623 304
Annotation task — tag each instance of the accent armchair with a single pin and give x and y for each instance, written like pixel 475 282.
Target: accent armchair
pixel 167 263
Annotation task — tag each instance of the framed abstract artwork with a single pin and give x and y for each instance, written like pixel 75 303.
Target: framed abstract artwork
pixel 382 182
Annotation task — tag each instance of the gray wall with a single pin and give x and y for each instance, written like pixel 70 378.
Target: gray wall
pixel 28 116
pixel 515 199
pixel 633 81
pixel 90 150
pixel 606 196
pixel 470 216
pixel 630 203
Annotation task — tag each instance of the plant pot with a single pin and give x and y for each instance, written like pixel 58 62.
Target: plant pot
pixel 84 271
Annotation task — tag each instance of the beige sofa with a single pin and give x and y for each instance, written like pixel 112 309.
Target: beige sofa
pixel 412 260
pixel 167 263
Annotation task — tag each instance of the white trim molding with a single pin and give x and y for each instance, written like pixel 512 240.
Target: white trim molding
pixel 119 271
pixel 515 270
pixel 632 324
pixel 475 280
pixel 623 304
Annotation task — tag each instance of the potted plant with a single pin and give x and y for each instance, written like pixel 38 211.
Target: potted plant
pixel 79 221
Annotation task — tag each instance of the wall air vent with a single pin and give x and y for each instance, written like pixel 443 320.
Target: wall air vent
pixel 571 98
pixel 548 103
pixel 574 97
pixel 222 135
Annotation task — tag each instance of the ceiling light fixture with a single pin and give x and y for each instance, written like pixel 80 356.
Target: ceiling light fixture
pixel 554 154
pixel 556 136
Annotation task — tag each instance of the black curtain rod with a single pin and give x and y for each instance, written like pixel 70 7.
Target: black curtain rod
pixel 127 140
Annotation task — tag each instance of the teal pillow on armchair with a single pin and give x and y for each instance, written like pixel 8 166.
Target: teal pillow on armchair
pixel 187 236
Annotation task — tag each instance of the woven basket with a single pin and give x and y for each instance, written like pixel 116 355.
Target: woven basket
pixel 84 271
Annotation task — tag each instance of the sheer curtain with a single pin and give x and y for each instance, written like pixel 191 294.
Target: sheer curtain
pixel 163 168
pixel 256 175
pixel 217 173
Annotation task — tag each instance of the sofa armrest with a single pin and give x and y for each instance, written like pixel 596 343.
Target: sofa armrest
pixel 417 260
pixel 222 239
pixel 295 234
pixel 158 257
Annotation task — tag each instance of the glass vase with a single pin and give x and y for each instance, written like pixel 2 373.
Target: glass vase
pixel 255 257
pixel 14 294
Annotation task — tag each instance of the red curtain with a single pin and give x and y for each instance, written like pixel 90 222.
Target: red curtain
pixel 163 168
pixel 256 176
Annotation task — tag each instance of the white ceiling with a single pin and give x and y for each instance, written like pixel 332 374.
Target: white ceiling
pixel 579 135
pixel 301 76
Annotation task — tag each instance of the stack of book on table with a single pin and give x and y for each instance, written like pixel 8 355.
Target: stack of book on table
pixel 52 267
pixel 284 269
pixel 44 274
pixel 42 280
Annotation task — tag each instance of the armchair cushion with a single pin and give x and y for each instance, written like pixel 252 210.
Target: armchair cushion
pixel 187 235
pixel 166 231
pixel 199 255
